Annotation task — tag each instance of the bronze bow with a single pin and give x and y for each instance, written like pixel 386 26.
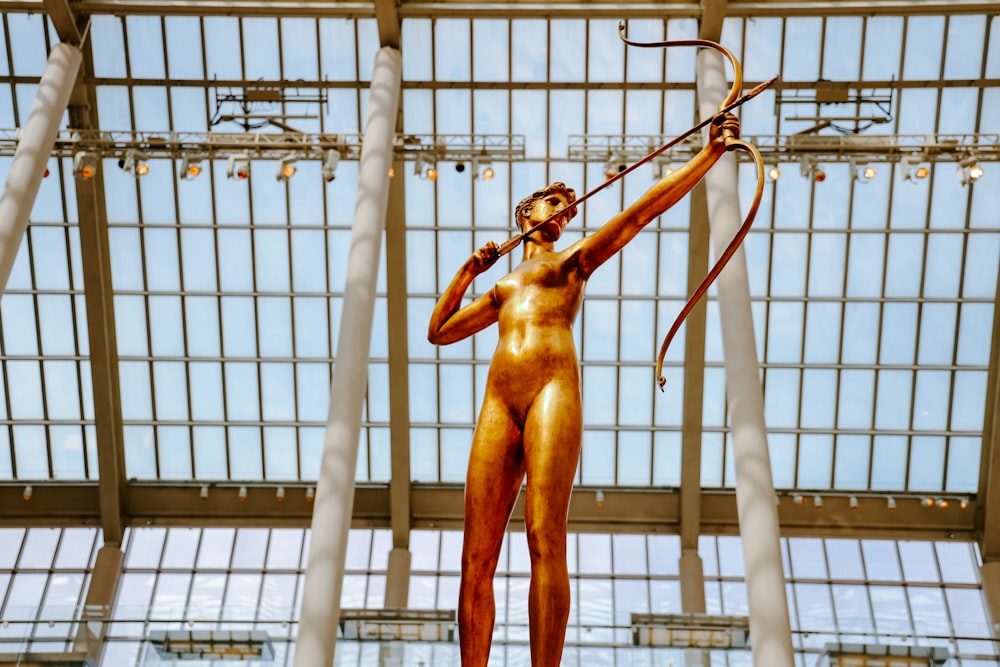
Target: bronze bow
pixel 732 101
pixel 732 143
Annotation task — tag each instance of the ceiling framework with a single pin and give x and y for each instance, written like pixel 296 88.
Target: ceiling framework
pixel 407 9
pixel 116 504
pixel 442 506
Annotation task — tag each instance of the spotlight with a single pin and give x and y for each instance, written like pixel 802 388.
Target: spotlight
pixel 460 167
pixel 818 502
pixel 777 499
pixel 279 493
pixel 45 174
pixel 774 173
pixel 134 162
pixel 431 173
pixel 908 163
pixel 239 166
pixel 599 498
pixel 27 492
pixel 853 503
pixel 615 165
pixel 869 172
pixel 310 494
pixel 190 167
pixel 927 502
pixel 969 170
pixel 204 491
pixel 482 168
pixel 810 169
pixel 798 499
pixel 84 165
pixel 392 172
pixel 243 493
pixel 330 161
pixel 963 503
pixel 890 504
pixel 942 502
pixel 286 167
pixel 662 170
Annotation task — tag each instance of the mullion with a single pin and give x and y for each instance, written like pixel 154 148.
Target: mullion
pixel 923 263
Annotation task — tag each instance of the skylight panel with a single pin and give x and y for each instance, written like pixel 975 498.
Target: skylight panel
pixel 822 333
pixel 223 48
pixel 851 460
pixel 927 457
pixel 857 393
pixel 924 42
pixel 781 391
pixel 762 48
pixel 145 46
pixel 801 55
pixel 452 61
pixel 964 454
pixel 455 447
pixel 174 445
pixel 975 328
pixel 636 402
pixel 30 447
pixel 666 462
pixel 842 38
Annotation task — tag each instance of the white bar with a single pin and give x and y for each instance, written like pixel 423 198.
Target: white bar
pixel 334 503
pixel 758 516
pixel 37 138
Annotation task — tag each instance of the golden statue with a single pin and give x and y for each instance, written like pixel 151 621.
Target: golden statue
pixel 531 422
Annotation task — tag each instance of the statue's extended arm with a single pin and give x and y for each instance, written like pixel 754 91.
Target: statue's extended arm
pixel 600 246
pixel 449 321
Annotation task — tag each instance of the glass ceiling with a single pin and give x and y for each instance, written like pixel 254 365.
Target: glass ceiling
pixel 873 300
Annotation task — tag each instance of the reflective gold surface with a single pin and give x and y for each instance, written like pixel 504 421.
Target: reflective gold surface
pixel 530 425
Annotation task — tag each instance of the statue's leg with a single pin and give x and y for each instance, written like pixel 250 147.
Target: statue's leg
pixel 496 470
pixel 552 436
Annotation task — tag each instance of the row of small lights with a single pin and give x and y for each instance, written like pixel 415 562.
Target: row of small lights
pixel 241 494
pixel 969 170
pixel 801 499
pixel 238 168
pixel 890 502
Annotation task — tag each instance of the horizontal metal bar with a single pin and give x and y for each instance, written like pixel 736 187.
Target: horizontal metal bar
pixel 441 507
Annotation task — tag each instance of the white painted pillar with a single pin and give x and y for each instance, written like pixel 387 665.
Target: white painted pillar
pixel 334 503
pixel 34 147
pixel 758 516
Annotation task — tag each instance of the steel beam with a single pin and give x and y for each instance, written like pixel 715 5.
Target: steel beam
pixel 574 9
pixel 637 510
pixel 989 467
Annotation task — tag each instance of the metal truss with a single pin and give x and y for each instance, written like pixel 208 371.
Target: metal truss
pixel 784 148
pixel 273 145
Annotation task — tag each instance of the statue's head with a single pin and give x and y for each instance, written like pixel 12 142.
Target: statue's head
pixel 522 212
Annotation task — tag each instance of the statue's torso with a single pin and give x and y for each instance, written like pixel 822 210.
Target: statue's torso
pixel 538 302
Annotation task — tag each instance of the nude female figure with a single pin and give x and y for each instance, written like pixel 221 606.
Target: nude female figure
pixel 531 422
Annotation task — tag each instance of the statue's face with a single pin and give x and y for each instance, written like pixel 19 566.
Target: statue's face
pixel 544 208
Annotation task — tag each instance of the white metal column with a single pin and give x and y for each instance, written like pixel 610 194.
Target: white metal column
pixel 334 502
pixel 758 516
pixel 34 146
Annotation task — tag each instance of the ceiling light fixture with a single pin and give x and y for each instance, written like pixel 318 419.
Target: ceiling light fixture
pixel 774 173
pixel 818 502
pixel 84 165
pixel 969 170
pixel 853 502
pixel 190 167
pixel 615 165
pixel 239 166
pixel 330 161
pixel 243 493
pixel 890 504
pixel 912 169
pixel 134 162
pixel 286 167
